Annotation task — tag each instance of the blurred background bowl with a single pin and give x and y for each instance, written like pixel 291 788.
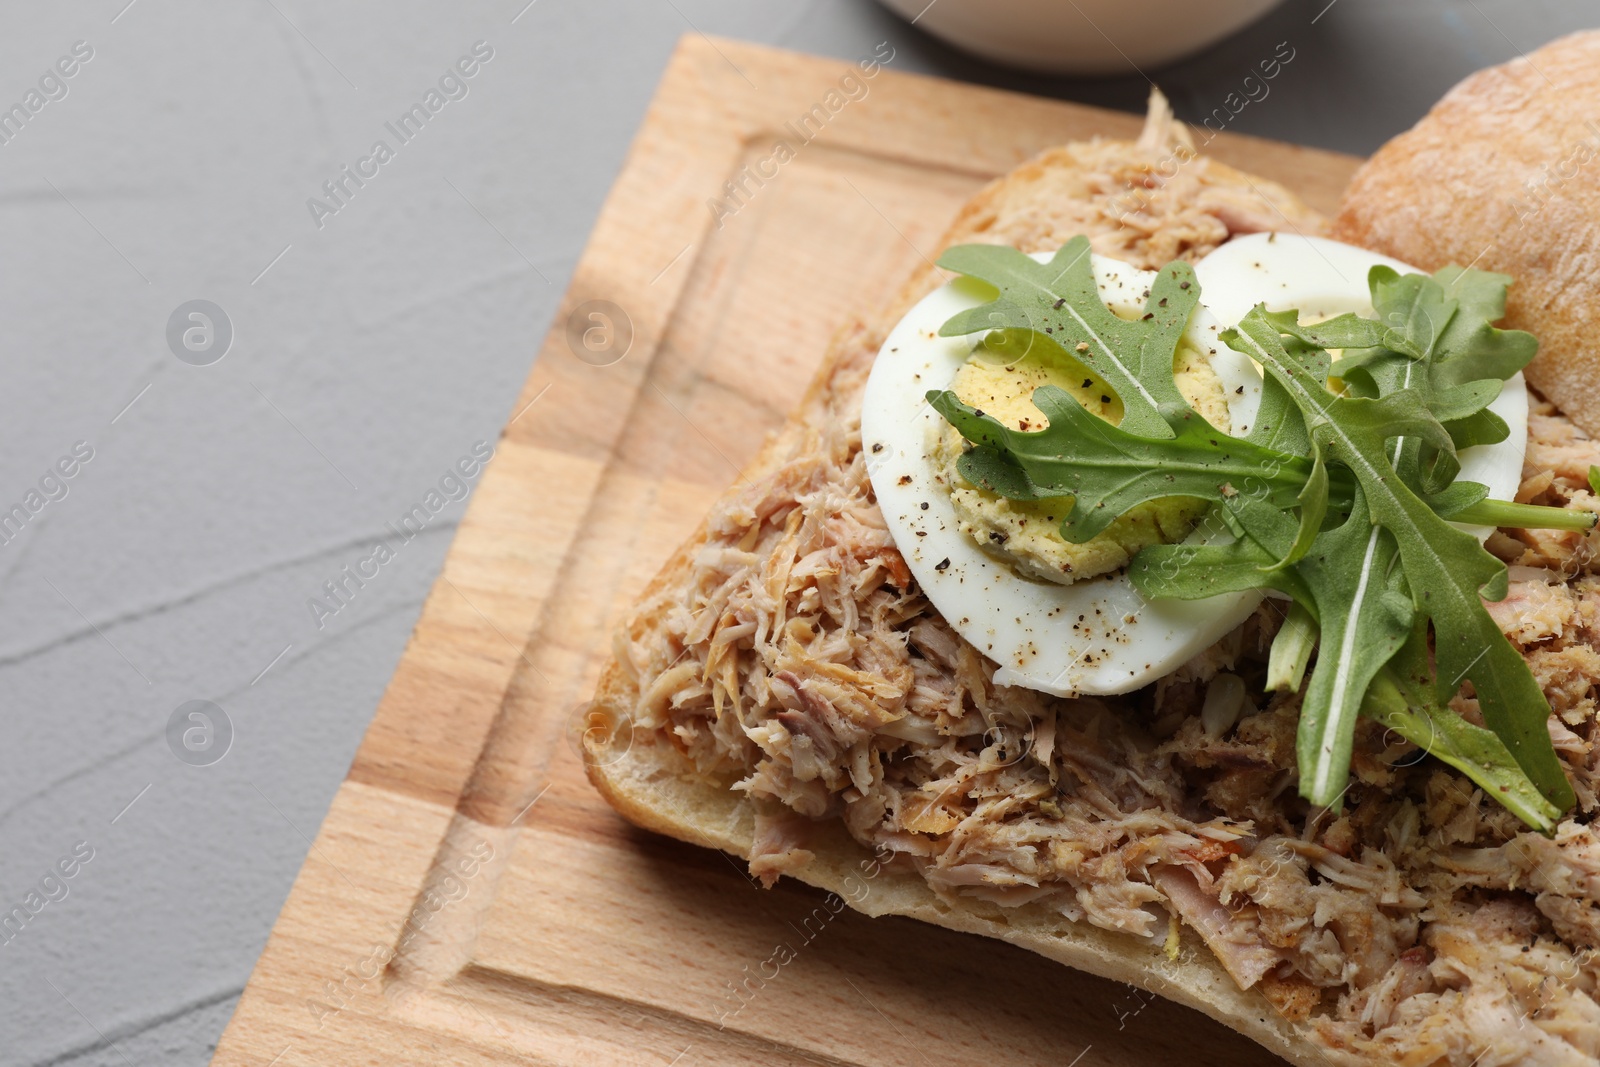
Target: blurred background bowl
pixel 1081 37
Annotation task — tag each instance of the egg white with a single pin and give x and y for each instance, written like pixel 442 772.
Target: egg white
pixel 1095 636
pixel 1323 278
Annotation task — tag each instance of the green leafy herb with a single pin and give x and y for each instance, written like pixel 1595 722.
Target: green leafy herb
pixel 1342 502
pixel 1404 697
pixel 1521 516
pixel 1448 323
pixel 1449 573
pixel 1059 303
pixel 1291 649
pixel 1106 469
pixel 1350 587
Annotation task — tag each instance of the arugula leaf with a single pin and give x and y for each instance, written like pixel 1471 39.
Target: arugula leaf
pixel 1291 650
pixel 1447 570
pixel 1261 532
pixel 1457 498
pixel 1480 428
pixel 1060 302
pixel 1363 616
pixel 1104 468
pixel 1413 308
pixel 1401 693
pixel 1349 584
pixel 1345 332
pixel 1506 513
pixel 1464 359
pixel 1313 501
pixel 1403 697
pixel 1199 572
pixel 1462 405
pixel 1447 320
pixel 1471 348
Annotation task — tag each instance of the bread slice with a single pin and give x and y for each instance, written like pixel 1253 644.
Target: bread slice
pixel 1525 203
pixel 1146 202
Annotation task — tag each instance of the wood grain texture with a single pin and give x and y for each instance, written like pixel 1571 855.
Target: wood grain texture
pixel 469 898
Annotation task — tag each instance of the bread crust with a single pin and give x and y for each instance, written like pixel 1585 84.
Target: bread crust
pixel 1525 201
pixel 652 785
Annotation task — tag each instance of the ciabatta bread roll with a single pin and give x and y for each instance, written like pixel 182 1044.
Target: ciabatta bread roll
pixel 1504 174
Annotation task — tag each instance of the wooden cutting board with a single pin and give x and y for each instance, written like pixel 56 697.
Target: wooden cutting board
pixel 470 899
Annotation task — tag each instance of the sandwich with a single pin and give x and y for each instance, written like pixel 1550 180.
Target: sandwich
pixel 1175 591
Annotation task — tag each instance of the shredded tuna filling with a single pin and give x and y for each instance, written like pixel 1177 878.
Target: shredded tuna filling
pixel 800 665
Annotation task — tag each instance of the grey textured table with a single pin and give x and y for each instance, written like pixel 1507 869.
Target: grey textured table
pixel 371 348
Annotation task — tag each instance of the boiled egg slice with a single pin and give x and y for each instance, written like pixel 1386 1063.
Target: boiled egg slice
pixel 1323 278
pixel 1094 636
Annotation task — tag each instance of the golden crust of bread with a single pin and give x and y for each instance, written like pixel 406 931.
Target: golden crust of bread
pixel 651 784
pixel 1504 174
pixel 646 783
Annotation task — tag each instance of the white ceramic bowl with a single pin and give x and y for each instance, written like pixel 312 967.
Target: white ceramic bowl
pixel 1084 37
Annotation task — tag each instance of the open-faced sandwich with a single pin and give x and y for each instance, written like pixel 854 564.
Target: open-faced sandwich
pixel 1184 595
